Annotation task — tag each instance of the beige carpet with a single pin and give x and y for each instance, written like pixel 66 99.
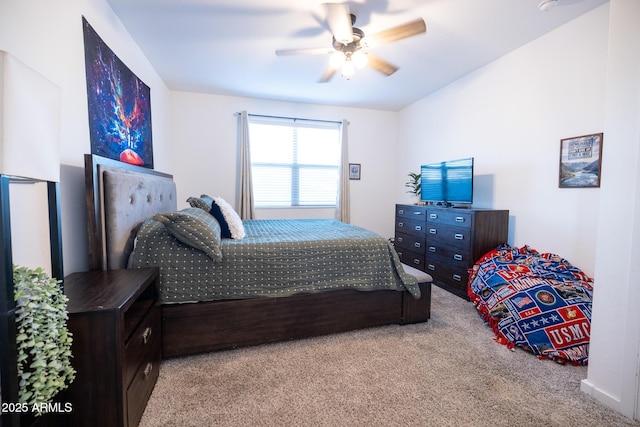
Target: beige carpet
pixel 446 372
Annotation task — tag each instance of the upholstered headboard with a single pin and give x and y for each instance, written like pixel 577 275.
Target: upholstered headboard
pixel 119 198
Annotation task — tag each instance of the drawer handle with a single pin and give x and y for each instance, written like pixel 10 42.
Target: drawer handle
pixel 432 248
pixel 400 211
pixel 146 334
pixel 400 224
pixel 417 213
pixel 431 267
pixel 433 231
pixel 457 257
pixel 459 237
pixel 416 261
pixel 457 277
pixel 433 216
pixel 400 239
pixel 147 370
pixel 399 254
pixel 459 219
pixel 417 244
pixel 418 228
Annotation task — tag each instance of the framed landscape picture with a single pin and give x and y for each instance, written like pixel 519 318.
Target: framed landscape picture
pixel 354 171
pixel 580 161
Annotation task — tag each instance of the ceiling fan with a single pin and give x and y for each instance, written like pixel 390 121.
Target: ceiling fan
pixel 547 5
pixel 350 47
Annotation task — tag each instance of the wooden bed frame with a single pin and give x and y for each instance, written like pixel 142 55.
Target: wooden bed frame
pixel 205 326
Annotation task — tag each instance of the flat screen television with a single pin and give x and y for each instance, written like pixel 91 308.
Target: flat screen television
pixel 448 183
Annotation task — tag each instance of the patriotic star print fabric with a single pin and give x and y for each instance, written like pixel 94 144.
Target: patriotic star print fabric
pixel 538 302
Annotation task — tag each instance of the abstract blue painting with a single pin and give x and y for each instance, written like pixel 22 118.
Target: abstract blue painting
pixel 119 105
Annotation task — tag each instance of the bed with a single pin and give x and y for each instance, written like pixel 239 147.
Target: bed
pixel 131 208
pixel 539 302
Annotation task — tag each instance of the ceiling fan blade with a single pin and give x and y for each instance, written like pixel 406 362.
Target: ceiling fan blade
pixel 379 64
pixel 328 75
pixel 309 51
pixel 396 33
pixel 339 20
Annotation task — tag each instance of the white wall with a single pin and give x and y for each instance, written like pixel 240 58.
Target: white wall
pixel 206 151
pixel 581 78
pixel 510 116
pixel 615 333
pixel 47 36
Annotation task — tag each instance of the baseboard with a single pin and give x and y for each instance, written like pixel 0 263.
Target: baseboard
pixel 601 396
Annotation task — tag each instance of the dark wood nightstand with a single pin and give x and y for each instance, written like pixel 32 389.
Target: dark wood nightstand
pixel 114 317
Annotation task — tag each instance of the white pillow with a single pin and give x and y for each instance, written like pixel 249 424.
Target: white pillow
pixel 231 217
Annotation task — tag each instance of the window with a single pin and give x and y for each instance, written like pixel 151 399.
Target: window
pixel 294 162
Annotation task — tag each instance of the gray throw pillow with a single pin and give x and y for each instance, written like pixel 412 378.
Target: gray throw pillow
pixel 194 227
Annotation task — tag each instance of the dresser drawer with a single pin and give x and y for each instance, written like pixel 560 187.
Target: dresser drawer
pixel 412 212
pixel 410 226
pixel 141 386
pixel 457 277
pixel 458 238
pixel 450 216
pixel 410 241
pixel 145 339
pixel 449 255
pixel 414 259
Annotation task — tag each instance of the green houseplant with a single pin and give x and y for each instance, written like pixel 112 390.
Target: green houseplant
pixel 43 340
pixel 414 185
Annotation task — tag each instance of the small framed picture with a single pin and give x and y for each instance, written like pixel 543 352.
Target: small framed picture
pixel 580 161
pixel 354 170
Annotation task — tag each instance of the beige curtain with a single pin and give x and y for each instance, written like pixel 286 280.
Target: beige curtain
pixel 343 211
pixel 246 208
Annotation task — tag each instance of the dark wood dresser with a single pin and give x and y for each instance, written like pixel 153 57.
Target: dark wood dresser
pixel 446 242
pixel 114 317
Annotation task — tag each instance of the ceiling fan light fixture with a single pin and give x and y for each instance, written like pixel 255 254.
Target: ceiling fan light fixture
pixel 546 5
pixel 348 69
pixel 351 47
pixel 336 60
pixel 359 59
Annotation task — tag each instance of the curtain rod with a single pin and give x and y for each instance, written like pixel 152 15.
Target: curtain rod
pixel 293 118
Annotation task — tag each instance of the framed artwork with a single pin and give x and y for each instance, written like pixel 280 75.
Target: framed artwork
pixel 354 170
pixel 119 105
pixel 580 161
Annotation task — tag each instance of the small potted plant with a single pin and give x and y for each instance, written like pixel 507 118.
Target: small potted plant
pixel 414 185
pixel 43 340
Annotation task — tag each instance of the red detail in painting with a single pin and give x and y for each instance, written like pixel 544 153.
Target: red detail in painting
pixel 131 157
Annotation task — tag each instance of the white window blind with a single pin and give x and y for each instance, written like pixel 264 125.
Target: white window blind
pixel 294 162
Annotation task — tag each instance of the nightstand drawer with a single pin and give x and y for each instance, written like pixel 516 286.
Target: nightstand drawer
pixel 141 386
pixel 145 338
pixel 139 310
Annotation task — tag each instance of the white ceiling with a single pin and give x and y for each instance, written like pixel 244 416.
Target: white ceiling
pixel 228 46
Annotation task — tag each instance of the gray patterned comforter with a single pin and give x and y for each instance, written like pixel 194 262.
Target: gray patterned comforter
pixel 276 258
